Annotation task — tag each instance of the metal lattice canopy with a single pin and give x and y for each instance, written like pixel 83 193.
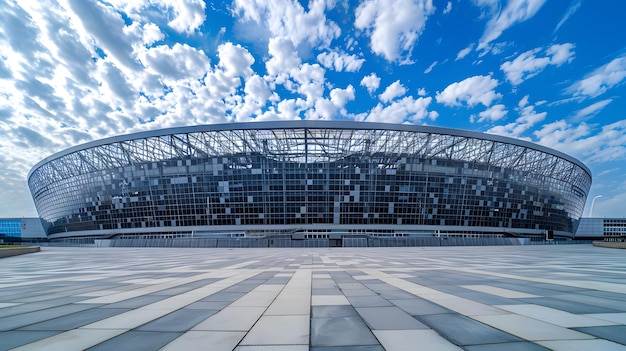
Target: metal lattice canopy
pixel 312 142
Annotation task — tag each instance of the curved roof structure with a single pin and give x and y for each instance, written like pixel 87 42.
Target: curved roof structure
pixel 293 140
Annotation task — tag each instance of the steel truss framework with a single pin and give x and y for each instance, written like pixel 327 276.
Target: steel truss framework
pixel 79 174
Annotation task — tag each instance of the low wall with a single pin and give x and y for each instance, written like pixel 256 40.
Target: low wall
pixel 14 251
pixel 609 244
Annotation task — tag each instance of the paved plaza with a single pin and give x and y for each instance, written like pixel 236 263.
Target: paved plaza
pixel 565 297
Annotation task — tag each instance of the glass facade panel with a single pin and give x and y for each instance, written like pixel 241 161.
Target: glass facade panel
pixel 10 227
pixel 294 175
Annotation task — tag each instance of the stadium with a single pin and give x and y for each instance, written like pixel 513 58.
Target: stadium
pixel 327 183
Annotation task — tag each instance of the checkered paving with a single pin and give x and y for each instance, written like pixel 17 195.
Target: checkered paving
pixel 443 298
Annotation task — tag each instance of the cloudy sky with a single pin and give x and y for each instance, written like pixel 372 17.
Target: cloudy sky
pixel 550 72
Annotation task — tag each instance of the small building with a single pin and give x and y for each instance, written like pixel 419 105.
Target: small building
pixel 21 229
pixel 606 229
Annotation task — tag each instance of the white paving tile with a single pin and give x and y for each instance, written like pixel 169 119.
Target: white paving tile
pixel 269 287
pixel 232 318
pixel 326 300
pixel 297 305
pixel 279 330
pixel 7 304
pixel 408 340
pixel 492 290
pixel 613 317
pixel 199 340
pixel 554 316
pixel 256 299
pixel 401 275
pixel 76 339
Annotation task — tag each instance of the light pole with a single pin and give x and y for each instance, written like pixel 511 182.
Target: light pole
pixel 593 202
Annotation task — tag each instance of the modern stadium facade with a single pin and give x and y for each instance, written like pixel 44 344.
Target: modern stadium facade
pixel 315 179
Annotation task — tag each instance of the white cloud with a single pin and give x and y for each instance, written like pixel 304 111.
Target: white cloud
pixel 235 60
pixel 514 12
pixel 472 91
pixel 339 97
pixel 393 33
pixel 448 8
pixel 183 16
pixel 591 110
pixel 107 28
pixel 284 57
pixel 464 52
pixel 492 114
pixel 430 68
pixel 574 6
pixel 394 90
pixel 188 15
pixel 329 108
pixel 600 80
pixel 151 33
pixel 528 118
pixel 371 82
pixel 407 109
pixel 289 19
pixel 529 64
pixel 176 62
pixel 340 61
pixel 585 142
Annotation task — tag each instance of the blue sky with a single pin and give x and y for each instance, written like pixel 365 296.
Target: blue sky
pixel 550 72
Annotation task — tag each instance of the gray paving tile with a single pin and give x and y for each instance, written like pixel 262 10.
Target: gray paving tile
pixel 323 283
pixel 240 288
pixel 396 294
pixel 595 301
pixel 488 298
pixel 388 318
pixel 277 280
pixel 615 333
pixel 603 294
pixel 354 332
pixel 76 320
pixel 15 338
pixel 358 292
pixel 136 302
pixel 21 320
pixel 136 341
pixel 326 291
pixel 208 305
pixel 418 306
pixel 568 306
pixel 25 308
pixel 174 291
pixel 349 348
pixel 224 296
pixel 368 301
pixel 333 311
pixel 509 346
pixel 380 287
pixel 465 331
pixel 178 321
